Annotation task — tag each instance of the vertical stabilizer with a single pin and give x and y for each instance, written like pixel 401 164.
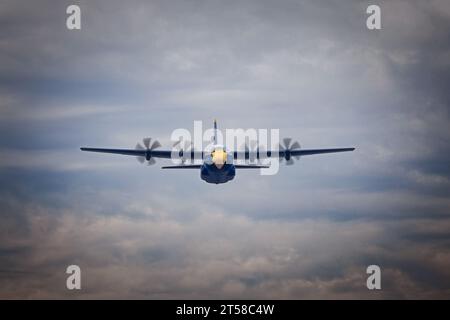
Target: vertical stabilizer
pixel 215 131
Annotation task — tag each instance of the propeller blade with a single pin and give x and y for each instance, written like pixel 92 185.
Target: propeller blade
pixel 253 151
pixel 152 161
pixel 244 146
pixel 186 145
pixel 141 159
pixel 295 146
pixel 146 142
pixel 155 145
pixel 139 147
pixel 290 162
pixel 287 142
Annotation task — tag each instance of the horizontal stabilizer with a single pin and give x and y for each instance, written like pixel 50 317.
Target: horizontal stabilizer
pixel 191 166
pixel 249 166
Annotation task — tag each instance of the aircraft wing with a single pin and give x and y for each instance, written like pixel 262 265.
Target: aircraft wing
pixel 167 154
pixel 281 153
pixel 133 152
pixel 307 152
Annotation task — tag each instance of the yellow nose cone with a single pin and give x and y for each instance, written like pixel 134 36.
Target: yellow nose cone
pixel 219 157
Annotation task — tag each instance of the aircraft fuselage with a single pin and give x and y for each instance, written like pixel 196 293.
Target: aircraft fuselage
pixel 213 174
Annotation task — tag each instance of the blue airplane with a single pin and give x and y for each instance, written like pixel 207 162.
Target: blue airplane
pixel 218 164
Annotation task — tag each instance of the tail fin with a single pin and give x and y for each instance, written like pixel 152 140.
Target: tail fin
pixel 215 131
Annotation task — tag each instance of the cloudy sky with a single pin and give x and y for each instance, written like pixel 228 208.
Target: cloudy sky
pixel 144 68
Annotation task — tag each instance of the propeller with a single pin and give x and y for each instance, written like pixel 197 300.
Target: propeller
pixel 253 152
pixel 186 150
pixel 149 146
pixel 287 147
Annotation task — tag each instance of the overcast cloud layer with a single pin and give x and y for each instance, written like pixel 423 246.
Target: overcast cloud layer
pixel 144 68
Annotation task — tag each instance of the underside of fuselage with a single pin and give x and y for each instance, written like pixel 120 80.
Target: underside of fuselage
pixel 212 174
